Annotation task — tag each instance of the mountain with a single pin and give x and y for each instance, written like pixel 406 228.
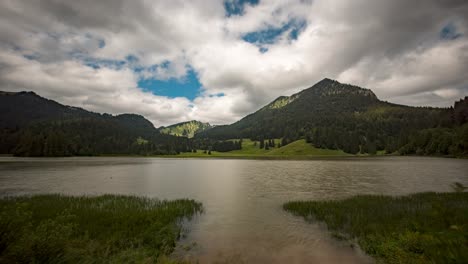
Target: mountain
pixel 138 124
pixel 336 116
pixel 328 115
pixel 185 129
pixel 23 108
pixel 31 125
pixel 327 103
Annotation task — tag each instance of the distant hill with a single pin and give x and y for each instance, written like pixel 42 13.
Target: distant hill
pixel 185 129
pixel 333 115
pixel 31 125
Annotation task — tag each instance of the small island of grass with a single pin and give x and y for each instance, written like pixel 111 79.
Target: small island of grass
pixel 419 228
pixel 102 229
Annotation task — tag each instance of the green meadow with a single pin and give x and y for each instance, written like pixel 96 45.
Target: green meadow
pixel 419 228
pixel 302 148
pixel 102 229
pixel 251 149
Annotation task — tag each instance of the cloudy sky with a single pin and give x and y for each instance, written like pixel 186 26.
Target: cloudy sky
pixel 217 61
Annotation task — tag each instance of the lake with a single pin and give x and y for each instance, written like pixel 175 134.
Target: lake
pixel 243 220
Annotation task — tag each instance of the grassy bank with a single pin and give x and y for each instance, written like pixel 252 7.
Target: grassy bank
pixel 419 228
pixel 103 229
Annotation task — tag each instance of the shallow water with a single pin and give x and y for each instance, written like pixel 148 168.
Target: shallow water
pixel 243 220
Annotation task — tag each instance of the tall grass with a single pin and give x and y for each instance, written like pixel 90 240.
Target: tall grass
pixel 103 229
pixel 419 228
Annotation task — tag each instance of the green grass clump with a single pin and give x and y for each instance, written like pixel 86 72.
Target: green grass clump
pixel 419 228
pixel 103 229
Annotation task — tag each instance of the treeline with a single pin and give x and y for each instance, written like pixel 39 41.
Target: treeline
pixel 270 143
pixel 31 125
pixel 101 136
pixel 447 135
pixel 91 136
pixel 215 145
pixel 449 139
pixel 391 128
pixel 267 144
pixel 438 141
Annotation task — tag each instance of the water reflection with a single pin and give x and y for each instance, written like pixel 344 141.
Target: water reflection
pixel 243 219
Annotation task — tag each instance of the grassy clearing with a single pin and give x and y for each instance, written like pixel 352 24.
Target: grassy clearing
pixel 419 228
pixel 301 147
pixel 251 149
pixel 103 229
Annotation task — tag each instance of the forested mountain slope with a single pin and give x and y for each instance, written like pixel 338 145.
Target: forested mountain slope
pixel 31 125
pixel 329 115
pixel 337 116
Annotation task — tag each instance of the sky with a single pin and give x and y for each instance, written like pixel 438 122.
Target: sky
pixel 217 61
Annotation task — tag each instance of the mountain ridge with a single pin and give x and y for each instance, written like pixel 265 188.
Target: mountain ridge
pixel 31 125
pixel 333 115
pixel 49 110
pixel 328 115
pixel 291 105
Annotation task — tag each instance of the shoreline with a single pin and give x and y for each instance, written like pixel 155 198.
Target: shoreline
pixel 244 157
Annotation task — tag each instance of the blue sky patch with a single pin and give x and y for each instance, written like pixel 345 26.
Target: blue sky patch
pixel 449 32
pixel 236 7
pixel 270 35
pixel 188 87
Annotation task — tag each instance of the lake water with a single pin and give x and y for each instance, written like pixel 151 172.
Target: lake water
pixel 243 220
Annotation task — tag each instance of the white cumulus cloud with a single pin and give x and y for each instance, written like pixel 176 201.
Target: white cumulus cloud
pixel 93 53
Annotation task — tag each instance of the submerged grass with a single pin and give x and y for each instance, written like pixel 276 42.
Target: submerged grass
pixel 102 229
pixel 419 228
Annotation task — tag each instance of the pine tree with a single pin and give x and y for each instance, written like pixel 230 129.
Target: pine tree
pixel 371 148
pixel 284 141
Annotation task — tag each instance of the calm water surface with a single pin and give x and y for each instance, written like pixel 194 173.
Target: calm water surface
pixel 243 220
